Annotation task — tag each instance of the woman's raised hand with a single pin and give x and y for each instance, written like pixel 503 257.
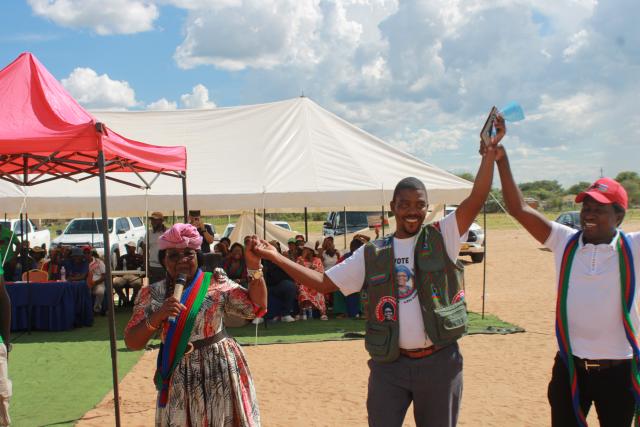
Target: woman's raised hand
pixel 252 257
pixel 264 249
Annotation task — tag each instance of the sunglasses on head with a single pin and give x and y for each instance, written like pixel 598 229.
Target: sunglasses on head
pixel 178 255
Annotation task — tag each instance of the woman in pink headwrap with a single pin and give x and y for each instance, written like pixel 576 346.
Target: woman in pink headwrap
pixel 202 376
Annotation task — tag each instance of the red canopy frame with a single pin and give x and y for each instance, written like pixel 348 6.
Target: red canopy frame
pixel 46 135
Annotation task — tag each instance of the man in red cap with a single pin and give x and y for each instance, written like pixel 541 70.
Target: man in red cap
pixel 596 315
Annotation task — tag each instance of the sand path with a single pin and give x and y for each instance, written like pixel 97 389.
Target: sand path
pixel 505 377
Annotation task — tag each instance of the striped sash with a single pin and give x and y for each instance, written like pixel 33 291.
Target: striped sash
pixel 178 334
pixel 627 284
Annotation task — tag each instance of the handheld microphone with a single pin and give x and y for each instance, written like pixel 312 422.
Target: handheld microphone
pixel 181 280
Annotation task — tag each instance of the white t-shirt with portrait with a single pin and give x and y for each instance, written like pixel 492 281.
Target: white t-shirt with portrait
pixel 349 276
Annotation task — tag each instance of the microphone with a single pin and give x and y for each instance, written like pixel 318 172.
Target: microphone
pixel 181 280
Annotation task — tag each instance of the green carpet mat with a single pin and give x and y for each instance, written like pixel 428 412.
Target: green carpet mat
pixel 344 329
pixel 59 376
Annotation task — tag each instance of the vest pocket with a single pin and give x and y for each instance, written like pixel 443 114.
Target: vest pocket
pixel 381 341
pixel 451 320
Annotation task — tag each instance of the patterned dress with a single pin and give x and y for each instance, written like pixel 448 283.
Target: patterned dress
pixel 211 386
pixel 308 295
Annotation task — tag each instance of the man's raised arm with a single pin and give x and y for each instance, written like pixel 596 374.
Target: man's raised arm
pixel 532 220
pixel 299 273
pixel 469 208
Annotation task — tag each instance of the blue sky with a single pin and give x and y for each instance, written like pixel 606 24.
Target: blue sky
pixel 420 75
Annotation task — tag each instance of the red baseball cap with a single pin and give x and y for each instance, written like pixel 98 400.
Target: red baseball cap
pixel 606 191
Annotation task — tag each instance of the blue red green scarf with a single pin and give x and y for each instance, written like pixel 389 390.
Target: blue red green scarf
pixel 178 334
pixel 627 284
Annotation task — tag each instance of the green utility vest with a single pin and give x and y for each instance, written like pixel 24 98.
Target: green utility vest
pixel 439 282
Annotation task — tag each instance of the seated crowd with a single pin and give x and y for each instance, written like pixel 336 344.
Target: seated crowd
pixel 67 263
pixel 289 301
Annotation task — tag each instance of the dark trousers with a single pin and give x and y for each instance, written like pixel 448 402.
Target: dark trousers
pixel 281 298
pixel 353 304
pixel 609 389
pixel 432 383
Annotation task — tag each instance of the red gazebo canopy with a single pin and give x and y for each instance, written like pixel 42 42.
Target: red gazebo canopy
pixel 45 132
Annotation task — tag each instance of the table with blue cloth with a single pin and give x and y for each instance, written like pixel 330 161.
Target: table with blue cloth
pixel 54 306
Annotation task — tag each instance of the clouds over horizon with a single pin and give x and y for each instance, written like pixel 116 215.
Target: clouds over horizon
pixel 421 75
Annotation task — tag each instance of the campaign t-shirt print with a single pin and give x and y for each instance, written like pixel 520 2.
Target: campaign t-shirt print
pixel 404 279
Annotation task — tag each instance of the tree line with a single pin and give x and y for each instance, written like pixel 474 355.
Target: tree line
pixel 551 195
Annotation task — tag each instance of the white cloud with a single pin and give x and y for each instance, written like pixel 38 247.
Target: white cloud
pixel 162 104
pixel 577 42
pixel 423 75
pixel 198 98
pixel 99 91
pixel 104 17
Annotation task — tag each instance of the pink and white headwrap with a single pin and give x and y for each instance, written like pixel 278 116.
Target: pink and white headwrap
pixel 180 236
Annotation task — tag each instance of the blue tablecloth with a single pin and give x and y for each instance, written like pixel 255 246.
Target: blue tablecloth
pixel 55 306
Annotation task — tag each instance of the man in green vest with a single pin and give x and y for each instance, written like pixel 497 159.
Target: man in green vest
pixel 411 288
pixel 5 348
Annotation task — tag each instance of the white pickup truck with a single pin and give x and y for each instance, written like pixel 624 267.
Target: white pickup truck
pixel 87 231
pixel 36 237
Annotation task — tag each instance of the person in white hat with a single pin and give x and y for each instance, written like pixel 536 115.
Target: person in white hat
pixel 156 270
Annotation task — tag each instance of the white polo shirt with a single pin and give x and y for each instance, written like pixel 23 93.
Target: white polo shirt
pixel 594 304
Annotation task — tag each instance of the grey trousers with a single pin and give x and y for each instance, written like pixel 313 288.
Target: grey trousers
pixel 433 384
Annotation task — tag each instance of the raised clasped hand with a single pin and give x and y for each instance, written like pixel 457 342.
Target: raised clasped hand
pixel 264 249
pixel 252 257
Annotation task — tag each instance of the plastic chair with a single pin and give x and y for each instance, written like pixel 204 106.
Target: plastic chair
pixel 35 276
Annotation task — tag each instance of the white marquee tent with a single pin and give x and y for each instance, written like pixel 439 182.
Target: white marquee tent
pixel 280 156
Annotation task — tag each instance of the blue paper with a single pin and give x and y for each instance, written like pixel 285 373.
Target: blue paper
pixel 512 112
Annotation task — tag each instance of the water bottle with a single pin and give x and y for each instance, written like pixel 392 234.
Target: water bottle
pixel 124 264
pixel 63 274
pixel 17 275
pixel 309 313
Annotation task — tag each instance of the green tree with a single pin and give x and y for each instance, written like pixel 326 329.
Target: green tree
pixel 577 188
pixel 466 175
pixel 631 182
pixel 542 190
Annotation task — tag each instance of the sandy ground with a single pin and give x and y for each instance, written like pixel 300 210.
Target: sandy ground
pixel 505 377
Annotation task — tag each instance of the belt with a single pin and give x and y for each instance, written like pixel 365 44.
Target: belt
pixel 598 365
pixel 197 345
pixel 419 353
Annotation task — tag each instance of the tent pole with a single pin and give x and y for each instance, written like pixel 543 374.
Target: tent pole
pixel 173 218
pixel 344 209
pixel 484 264
pixel 24 255
pixel 264 224
pixel 306 225
pixel 184 197
pixel 93 226
pixel 382 219
pixel 255 223
pixel 109 284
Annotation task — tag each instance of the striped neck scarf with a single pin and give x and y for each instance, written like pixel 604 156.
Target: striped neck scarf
pixel 627 285
pixel 178 334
